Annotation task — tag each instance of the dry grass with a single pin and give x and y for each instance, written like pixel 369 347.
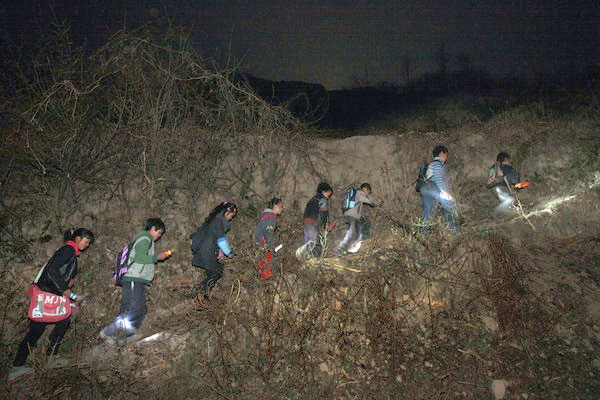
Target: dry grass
pixel 410 316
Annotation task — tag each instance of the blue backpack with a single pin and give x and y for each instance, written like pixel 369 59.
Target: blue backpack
pixel 349 199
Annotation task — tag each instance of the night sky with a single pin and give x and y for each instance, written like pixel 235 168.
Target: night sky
pixel 342 43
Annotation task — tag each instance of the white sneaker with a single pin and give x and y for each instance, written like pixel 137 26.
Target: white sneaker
pixel 17 372
pixel 108 339
pixel 355 247
pixel 133 338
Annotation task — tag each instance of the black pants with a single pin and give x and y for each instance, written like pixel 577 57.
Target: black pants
pixel 133 311
pixel 214 272
pixel 133 303
pixel 36 329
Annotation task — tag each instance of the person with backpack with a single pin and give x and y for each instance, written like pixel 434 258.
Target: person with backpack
pixel 435 189
pixel 264 237
pixel 56 277
pixel 352 207
pixel 140 273
pixel 502 178
pixel 209 244
pixel 316 216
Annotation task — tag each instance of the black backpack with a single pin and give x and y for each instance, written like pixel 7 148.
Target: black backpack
pixel 422 178
pixel 197 238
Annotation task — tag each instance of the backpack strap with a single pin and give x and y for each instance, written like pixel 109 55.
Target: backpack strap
pixel 37 278
pixel 508 185
pixel 132 249
pixel 498 168
pixel 500 177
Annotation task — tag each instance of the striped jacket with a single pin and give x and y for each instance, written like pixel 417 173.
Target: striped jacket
pixel 436 173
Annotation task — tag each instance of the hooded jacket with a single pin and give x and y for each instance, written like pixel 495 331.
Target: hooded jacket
pixel 265 230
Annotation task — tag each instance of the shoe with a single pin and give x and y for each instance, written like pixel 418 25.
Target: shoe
pixel 17 372
pixel 342 252
pixel 133 338
pixel 355 247
pixel 108 339
pixel 58 362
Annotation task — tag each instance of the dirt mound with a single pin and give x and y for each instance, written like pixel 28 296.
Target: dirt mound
pixel 444 315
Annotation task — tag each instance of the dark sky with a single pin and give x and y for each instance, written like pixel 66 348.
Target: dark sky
pixel 337 42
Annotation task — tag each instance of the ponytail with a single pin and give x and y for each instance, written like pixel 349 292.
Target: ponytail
pixel 71 234
pixel 220 209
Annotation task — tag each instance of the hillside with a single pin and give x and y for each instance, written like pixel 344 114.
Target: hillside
pixel 506 308
pixel 510 300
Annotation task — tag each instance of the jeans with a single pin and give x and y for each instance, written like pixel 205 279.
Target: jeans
pixel 356 228
pixel 36 329
pixel 431 197
pixel 311 234
pixel 506 199
pixel 133 311
pixel 350 235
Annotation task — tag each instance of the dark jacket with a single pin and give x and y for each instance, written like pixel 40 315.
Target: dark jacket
pixel 509 172
pixel 507 176
pixel 208 249
pixel 59 270
pixel 317 210
pixel 265 230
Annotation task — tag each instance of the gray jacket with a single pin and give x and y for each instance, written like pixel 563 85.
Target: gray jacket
pixel 265 230
pixel 360 199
